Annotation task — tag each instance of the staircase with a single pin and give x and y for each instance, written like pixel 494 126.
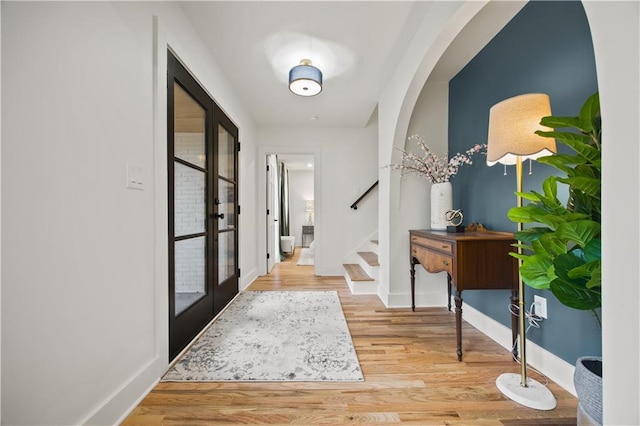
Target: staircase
pixel 362 270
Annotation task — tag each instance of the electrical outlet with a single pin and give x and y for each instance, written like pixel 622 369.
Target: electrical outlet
pixel 540 306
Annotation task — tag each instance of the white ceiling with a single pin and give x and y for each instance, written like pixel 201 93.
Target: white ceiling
pixel 356 44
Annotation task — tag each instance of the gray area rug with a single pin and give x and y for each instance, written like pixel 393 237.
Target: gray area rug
pixel 274 336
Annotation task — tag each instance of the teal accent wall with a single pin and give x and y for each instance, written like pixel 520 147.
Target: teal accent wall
pixel 545 48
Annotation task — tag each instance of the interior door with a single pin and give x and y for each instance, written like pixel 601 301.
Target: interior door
pixel 272 221
pixel 201 208
pixel 225 210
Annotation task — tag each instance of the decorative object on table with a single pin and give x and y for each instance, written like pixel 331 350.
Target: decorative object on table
pixel 513 137
pixel 564 248
pixel 476 227
pixel 438 171
pixel 455 219
pixel 273 336
pixel 308 209
pixel 441 202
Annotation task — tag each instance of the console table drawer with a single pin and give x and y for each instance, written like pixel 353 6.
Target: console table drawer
pixel 435 244
pixel 432 261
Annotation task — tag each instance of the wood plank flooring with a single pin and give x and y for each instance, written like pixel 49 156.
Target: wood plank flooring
pixel 410 369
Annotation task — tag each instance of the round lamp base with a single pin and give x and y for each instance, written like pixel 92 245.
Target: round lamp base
pixel 535 395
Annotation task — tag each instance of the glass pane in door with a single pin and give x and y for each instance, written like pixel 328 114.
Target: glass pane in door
pixel 226 256
pixel 226 196
pixel 190 271
pixel 189 200
pixel 226 154
pixel 189 134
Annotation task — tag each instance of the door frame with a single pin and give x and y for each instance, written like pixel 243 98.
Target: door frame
pixel 189 323
pixel 261 162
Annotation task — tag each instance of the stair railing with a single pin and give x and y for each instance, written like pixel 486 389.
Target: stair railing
pixel 355 204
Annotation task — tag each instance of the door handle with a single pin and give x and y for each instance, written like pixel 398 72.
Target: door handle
pixel 218 215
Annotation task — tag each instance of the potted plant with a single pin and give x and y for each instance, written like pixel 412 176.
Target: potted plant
pixel 561 251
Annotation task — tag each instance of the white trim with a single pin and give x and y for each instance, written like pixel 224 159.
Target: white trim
pixel 555 368
pixel 247 279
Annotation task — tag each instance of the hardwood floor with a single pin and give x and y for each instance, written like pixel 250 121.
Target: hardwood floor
pixel 410 369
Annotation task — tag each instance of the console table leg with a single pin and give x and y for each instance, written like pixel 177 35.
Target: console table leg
pixel 514 324
pixel 413 284
pixel 458 300
pixel 449 292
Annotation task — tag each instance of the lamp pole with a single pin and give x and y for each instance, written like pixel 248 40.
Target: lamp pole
pixel 521 309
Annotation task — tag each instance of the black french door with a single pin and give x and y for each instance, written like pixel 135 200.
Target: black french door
pixel 203 191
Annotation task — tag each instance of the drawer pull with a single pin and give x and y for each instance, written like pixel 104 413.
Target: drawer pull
pixel 445 262
pixel 444 247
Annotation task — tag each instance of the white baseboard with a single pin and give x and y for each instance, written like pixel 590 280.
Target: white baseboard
pixel 247 279
pixel 555 368
pixel 121 403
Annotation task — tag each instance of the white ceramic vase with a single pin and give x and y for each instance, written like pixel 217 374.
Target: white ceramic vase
pixel 441 202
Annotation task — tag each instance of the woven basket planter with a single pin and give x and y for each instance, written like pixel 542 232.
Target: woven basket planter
pixel 588 382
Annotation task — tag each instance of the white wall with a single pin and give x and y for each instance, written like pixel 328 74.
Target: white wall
pixel 615 29
pixel 0 215
pixel 429 119
pixel 344 167
pixel 300 190
pixel 443 21
pixel 84 258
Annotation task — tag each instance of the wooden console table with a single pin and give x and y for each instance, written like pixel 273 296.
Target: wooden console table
pixel 472 261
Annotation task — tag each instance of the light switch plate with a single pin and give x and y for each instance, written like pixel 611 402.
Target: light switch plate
pixel 135 177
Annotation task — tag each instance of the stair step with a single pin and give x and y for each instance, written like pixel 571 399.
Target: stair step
pixel 374 242
pixel 356 273
pixel 370 257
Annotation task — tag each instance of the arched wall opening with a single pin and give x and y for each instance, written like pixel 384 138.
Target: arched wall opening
pixel 616 57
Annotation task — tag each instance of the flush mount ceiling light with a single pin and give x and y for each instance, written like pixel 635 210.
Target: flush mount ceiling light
pixel 305 79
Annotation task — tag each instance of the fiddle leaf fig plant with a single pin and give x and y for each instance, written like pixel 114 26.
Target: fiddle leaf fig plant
pixel 561 247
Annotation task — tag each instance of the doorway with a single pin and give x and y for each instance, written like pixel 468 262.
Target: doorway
pixel 203 188
pixel 290 208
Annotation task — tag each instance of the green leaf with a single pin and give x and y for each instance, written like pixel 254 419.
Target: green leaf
pixel 588 185
pixel 556 122
pixel 550 244
pixel 535 271
pixel 531 196
pixel 575 296
pixel 531 234
pixel 579 143
pixel 580 231
pixel 585 271
pixel 588 113
pixel 593 250
pixel 550 188
pixel 526 214
pixel 562 159
pixel 596 278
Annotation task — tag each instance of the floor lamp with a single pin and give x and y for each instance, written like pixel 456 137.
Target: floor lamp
pixel 512 140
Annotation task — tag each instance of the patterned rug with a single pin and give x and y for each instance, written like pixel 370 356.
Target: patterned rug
pixel 274 336
pixel 306 257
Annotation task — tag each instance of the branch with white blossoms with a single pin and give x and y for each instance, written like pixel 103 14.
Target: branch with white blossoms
pixel 431 167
